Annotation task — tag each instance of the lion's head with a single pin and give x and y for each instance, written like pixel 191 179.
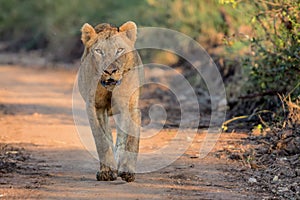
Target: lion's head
pixel 110 50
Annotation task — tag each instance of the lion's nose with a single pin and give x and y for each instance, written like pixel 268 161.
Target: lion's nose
pixel 111 69
pixel 106 72
pixel 110 72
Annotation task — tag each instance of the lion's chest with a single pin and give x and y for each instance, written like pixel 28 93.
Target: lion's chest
pixel 102 98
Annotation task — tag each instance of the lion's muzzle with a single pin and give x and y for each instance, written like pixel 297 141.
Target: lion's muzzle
pixel 111 77
pixel 110 82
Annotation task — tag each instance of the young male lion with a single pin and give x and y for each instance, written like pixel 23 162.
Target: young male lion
pixel 109 79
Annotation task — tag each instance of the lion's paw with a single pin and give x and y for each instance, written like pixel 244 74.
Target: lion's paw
pixel 127 176
pixel 106 175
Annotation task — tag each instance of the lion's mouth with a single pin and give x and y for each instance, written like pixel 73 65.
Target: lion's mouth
pixel 110 82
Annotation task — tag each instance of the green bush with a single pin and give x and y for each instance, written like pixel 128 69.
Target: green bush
pixel 274 67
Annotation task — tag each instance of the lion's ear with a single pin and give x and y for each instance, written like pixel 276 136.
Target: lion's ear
pixel 88 33
pixel 130 29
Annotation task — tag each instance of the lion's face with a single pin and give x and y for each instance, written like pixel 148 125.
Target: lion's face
pixel 110 49
pixel 111 61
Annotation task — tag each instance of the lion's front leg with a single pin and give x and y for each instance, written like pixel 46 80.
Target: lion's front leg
pixel 127 145
pixel 103 139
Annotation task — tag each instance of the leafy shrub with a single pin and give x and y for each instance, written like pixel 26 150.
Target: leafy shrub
pixel 273 65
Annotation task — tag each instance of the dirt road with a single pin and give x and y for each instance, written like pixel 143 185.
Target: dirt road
pixel 36 114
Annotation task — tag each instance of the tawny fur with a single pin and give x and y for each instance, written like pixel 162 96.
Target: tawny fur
pixel 109 54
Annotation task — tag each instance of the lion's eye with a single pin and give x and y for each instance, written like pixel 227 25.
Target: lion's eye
pixel 119 51
pixel 99 51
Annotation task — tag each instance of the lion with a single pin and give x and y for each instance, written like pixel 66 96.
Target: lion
pixel 109 79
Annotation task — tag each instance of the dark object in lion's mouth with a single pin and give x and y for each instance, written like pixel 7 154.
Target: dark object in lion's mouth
pixel 110 82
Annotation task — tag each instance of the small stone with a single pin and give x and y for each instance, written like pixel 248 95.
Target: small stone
pixel 275 179
pixel 297 171
pixel 189 139
pixel 252 180
pixel 36 114
pixel 283 189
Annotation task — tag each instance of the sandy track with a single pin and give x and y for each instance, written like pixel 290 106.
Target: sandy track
pixel 36 114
